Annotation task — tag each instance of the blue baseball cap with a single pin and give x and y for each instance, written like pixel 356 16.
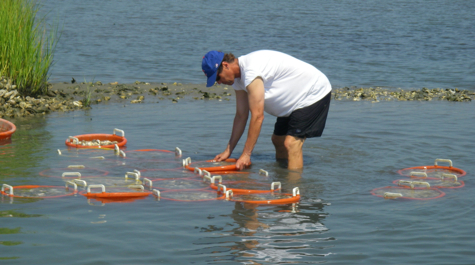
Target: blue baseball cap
pixel 210 64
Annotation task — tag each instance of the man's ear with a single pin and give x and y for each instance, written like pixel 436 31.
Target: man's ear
pixel 225 65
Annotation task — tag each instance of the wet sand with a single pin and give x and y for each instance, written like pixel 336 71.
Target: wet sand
pixel 72 96
pixel 139 92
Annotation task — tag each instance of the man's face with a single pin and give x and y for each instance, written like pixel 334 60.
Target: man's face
pixel 225 75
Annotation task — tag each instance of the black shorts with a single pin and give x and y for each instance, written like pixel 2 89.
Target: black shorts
pixel 306 122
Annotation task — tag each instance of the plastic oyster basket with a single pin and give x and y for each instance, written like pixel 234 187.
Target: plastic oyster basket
pixel 97 140
pixel 448 181
pixel 6 129
pixel 84 153
pixel 38 191
pixel 211 165
pixel 154 154
pixel 416 190
pixel 265 198
pixel 155 159
pixel 73 172
pixel 435 171
pixel 180 184
pixel 188 196
pixel 243 186
pixel 131 178
pixel 155 174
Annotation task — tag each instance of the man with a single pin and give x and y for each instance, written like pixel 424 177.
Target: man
pixel 294 91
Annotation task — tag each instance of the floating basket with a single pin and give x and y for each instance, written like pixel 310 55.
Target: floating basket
pixel 37 191
pixel 434 171
pixel 265 198
pixel 189 196
pixel 97 140
pixel 414 193
pixel 115 194
pixel 262 175
pixel 211 165
pixel 180 184
pixel 82 153
pixel 131 178
pixel 243 187
pixel 154 154
pixel 154 174
pixel 155 159
pixel 449 181
pixel 73 172
pixel 6 129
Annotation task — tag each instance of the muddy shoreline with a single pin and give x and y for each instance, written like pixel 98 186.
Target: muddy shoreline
pixel 72 96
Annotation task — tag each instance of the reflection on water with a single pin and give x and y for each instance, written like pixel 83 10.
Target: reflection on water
pixel 278 234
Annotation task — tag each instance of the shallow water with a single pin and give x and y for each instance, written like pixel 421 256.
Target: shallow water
pixel 399 43
pixel 338 221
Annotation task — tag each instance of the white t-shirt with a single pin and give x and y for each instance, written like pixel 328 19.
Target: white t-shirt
pixel 289 83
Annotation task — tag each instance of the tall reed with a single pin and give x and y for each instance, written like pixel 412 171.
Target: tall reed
pixel 26 46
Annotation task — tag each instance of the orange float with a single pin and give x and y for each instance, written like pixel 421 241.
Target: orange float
pixel 39 189
pixel 115 196
pixel 236 186
pixel 432 171
pixel 266 198
pixel 211 165
pixel 75 141
pixel 6 129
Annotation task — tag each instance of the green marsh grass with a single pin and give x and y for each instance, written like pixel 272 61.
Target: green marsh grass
pixel 86 101
pixel 26 46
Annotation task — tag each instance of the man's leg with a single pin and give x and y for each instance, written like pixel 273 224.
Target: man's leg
pixel 281 153
pixel 289 148
pixel 294 146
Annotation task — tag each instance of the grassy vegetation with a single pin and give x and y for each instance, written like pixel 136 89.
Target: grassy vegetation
pixel 26 46
pixel 86 101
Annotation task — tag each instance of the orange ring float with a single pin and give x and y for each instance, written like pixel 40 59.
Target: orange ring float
pixel 113 195
pixel 224 188
pixel 433 168
pixel 73 141
pixel 293 198
pixel 6 129
pixel 6 188
pixel 211 168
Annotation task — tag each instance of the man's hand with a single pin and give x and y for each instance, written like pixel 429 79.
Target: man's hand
pixel 223 156
pixel 243 162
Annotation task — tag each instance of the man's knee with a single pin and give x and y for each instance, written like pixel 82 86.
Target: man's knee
pixel 293 144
